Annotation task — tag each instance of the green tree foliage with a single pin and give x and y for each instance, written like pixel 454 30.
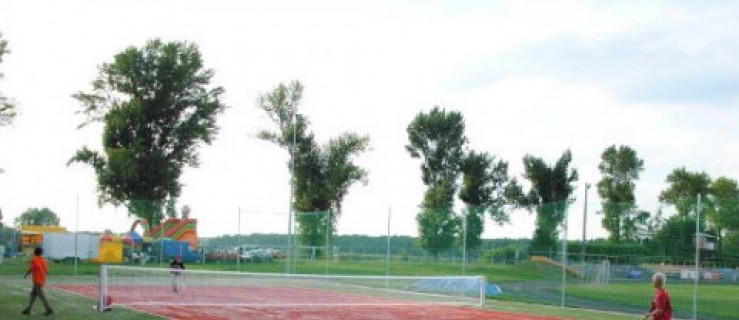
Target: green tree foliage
pixel 438 139
pixel 38 217
pixel 438 225
pixel 281 106
pixel 731 243
pixel 485 181
pixel 723 209
pixel 322 174
pixel 724 204
pixel 620 167
pixel 683 190
pixel 156 106
pixel 676 238
pixel 7 107
pixel 550 194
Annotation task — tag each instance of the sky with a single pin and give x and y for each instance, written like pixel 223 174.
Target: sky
pixel 529 77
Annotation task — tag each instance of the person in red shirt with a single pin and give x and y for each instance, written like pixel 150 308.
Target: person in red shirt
pixel 38 268
pixel 661 305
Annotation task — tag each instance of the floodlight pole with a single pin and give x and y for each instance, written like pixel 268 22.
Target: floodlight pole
pixel 584 225
pixel 238 242
pixel 697 258
pixel 564 258
pixel 464 244
pixel 328 224
pixel 387 254
pixel 288 250
pixel 76 233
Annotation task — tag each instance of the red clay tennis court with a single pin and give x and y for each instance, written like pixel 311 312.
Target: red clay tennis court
pixel 268 303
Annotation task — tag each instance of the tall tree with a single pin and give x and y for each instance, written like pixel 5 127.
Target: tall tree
pixel 322 174
pixel 678 232
pixel 723 211
pixel 7 107
pixel 550 195
pixel 485 181
pixel 683 190
pixel 323 177
pixel 157 107
pixel 438 139
pixel 620 167
pixel 37 217
pixel 675 237
pixel 341 170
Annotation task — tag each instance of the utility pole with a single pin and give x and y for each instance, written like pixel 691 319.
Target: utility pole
pixel 584 225
pixel 295 118
pixel 697 258
pixel 564 259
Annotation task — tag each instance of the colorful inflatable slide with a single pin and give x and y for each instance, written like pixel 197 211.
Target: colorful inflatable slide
pixel 176 229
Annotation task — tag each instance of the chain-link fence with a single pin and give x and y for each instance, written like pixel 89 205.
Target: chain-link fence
pixel 696 248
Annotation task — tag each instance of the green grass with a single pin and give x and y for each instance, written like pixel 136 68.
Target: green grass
pixel 494 273
pixel 718 301
pixel 553 311
pixel 14 296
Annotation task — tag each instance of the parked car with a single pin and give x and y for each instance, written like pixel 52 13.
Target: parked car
pixel 256 255
pixel 276 253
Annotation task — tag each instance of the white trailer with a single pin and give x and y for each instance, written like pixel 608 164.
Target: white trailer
pixel 58 246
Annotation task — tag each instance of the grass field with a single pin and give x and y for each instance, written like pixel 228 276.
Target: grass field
pixel 716 301
pixel 14 296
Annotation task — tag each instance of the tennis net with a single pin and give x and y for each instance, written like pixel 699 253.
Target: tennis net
pixel 160 286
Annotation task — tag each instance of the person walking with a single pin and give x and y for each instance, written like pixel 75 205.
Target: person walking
pixel 661 305
pixel 39 269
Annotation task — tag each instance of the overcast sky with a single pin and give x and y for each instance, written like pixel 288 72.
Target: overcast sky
pixel 530 77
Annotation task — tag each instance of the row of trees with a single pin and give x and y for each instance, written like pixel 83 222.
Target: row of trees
pixel 438 139
pixel 482 183
pixel 321 173
pixel 157 106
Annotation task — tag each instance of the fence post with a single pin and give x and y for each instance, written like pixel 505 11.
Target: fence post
pixel 103 287
pixel 697 258
pixel 564 259
pixel 387 254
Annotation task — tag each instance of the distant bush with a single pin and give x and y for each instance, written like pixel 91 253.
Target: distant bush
pixel 614 252
pixel 507 254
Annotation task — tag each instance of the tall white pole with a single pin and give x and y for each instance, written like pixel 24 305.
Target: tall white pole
pixel 564 259
pixel 387 253
pixel 697 258
pixel 584 226
pixel 464 244
pixel 238 242
pixel 291 209
pixel 76 232
pixel 328 224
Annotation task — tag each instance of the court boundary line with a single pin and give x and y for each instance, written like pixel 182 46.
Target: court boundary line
pixel 491 306
pixel 292 305
pixel 114 304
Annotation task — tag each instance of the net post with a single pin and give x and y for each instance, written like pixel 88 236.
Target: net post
pixel 103 287
pixel 482 291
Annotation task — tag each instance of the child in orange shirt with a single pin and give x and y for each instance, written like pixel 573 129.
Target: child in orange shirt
pixel 39 268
